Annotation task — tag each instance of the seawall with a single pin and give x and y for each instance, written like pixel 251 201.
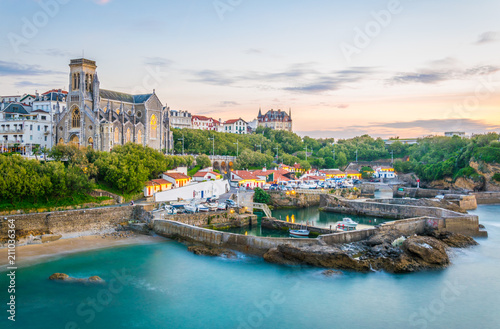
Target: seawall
pixel 63 222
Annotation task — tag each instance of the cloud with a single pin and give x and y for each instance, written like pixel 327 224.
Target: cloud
pixel 300 78
pixel 253 51
pixel 157 61
pixel 15 69
pixel 228 103
pixel 441 71
pixel 487 37
pixel 407 128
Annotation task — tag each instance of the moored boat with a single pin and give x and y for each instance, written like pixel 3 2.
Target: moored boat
pixel 299 233
pixel 346 224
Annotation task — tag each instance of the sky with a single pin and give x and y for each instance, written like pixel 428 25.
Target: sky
pixel 406 68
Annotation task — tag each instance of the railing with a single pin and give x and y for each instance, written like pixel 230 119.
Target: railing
pixel 264 208
pixel 5 131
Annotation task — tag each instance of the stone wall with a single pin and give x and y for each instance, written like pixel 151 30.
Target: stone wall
pixel 297 200
pixel 276 224
pixel 487 197
pixel 63 222
pixel 244 243
pixel 219 218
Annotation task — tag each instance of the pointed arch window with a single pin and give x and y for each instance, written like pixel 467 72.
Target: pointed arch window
pixel 139 136
pixel 117 135
pixel 75 118
pixel 128 135
pixel 153 125
pixel 78 80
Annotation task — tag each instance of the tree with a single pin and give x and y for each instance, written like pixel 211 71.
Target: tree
pixel 341 159
pixel 203 161
pixel 261 196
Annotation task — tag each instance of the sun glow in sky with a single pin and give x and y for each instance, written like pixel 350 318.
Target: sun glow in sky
pixel 386 68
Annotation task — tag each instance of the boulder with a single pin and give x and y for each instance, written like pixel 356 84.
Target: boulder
pixel 426 249
pixel 67 278
pixel 214 252
pixel 58 276
pixel 382 237
pixel 50 237
pixel 330 273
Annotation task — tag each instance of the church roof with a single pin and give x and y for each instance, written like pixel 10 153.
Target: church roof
pixel 123 97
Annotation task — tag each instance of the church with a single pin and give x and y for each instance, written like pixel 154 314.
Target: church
pixel 102 118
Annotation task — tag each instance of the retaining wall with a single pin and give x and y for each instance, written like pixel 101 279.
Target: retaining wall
pixel 487 197
pixel 61 222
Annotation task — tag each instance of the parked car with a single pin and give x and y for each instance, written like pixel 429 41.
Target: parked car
pixel 230 203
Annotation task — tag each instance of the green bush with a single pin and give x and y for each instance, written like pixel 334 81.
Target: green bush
pixel 261 196
pixel 496 177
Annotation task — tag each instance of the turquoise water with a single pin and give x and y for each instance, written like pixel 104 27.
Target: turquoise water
pixel 172 288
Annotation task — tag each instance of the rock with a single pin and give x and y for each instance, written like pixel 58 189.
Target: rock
pixel 50 237
pixel 454 240
pixel 330 273
pixel 382 237
pixel 214 252
pixel 481 226
pixel 67 278
pixel 319 256
pixel 427 250
pixel 95 278
pixel 59 276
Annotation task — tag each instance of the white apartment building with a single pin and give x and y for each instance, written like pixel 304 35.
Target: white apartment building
pixel 236 126
pixel 180 119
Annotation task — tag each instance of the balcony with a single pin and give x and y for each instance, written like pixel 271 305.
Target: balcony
pixel 12 131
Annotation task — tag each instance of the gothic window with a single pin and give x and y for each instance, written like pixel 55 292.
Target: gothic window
pixel 91 142
pixel 74 81
pixel 153 125
pixel 128 135
pixel 75 118
pixel 61 141
pixel 117 135
pixel 78 80
pixel 139 136
pixel 86 82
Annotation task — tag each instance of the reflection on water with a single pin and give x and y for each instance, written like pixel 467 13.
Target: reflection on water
pixel 311 216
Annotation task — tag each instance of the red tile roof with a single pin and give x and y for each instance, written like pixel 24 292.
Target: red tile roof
pixel 161 181
pixel 201 118
pixel 55 91
pixel 203 173
pixel 176 175
pixel 228 122
pixel 313 178
pixel 244 174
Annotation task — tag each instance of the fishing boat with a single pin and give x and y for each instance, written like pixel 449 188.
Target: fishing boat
pixel 299 233
pixel 202 208
pixel 346 224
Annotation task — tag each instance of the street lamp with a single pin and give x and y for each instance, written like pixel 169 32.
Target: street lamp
pixel 237 148
pixel 182 139
pixel 306 152
pixel 213 144
pixel 277 154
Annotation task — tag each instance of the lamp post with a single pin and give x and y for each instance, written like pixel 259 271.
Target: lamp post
pixel 213 144
pixel 356 155
pixel 306 152
pixel 182 139
pixel 277 154
pixel 237 148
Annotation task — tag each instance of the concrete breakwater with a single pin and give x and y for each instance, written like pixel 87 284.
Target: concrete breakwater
pixel 444 219
pixel 413 192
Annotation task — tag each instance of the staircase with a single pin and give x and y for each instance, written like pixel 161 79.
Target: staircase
pixel 264 208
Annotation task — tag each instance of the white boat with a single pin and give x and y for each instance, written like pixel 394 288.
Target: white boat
pixel 299 233
pixel 346 224
pixel 222 206
pixel 202 208
pixel 191 208
pixel 213 206
pixel 169 210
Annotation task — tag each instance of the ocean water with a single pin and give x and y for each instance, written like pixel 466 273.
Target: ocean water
pixel 164 286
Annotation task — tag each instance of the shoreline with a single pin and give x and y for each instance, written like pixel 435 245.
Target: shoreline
pixel 27 255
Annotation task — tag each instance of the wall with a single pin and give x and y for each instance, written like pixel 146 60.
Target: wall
pixel 63 222
pixel 277 224
pixel 458 222
pixel 414 192
pixel 220 217
pixel 299 200
pixel 209 189
pixel 245 243
pixel 487 197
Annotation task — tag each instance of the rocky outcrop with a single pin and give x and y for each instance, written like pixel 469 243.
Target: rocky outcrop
pixel 331 273
pixel 379 252
pixel 454 240
pixel 66 278
pixel 209 251
pixel 426 250
pixel 488 170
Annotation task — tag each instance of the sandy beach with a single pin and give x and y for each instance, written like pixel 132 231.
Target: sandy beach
pixel 36 253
